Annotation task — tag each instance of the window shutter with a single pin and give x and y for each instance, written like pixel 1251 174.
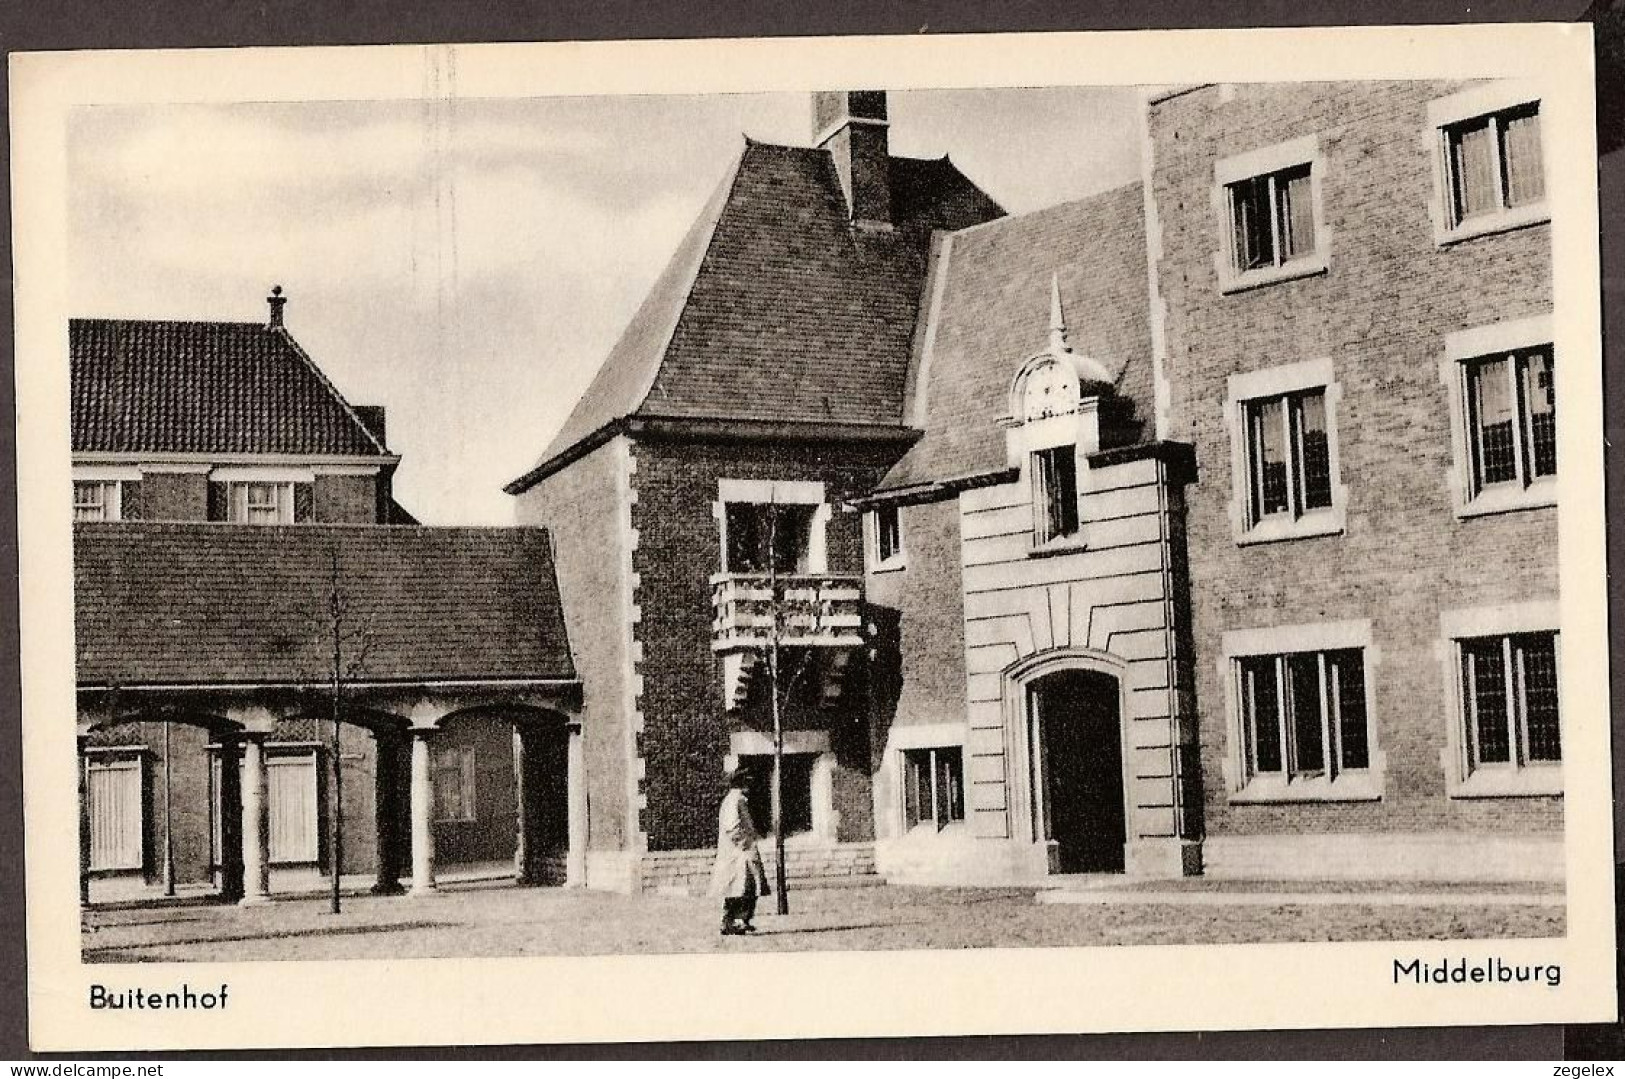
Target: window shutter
pixel 217 501
pixel 304 502
pixel 1526 182
pixel 130 500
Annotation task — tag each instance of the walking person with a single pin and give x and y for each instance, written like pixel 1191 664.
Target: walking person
pixel 738 876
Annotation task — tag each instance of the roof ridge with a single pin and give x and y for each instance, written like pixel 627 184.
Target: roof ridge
pixel 327 383
pixel 715 207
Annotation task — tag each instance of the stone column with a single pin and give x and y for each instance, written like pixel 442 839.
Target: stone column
pixel 256 827
pixel 422 813
pixel 231 820
pixel 575 860
pixel 386 814
pixel 84 823
pixel 524 852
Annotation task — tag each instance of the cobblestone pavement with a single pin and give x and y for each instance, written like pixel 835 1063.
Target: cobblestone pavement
pixel 501 920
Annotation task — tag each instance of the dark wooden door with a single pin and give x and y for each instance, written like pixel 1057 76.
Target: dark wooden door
pixel 1082 763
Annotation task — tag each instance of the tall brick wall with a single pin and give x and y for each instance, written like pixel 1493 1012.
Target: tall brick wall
pixel 580 506
pixel 1380 313
pixel 686 726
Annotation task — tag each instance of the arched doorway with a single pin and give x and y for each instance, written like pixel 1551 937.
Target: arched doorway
pixel 1075 726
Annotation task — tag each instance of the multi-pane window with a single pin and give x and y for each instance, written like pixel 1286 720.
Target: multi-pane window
pixel 1288 456
pixel 933 786
pixel 454 783
pixel 763 536
pixel 1509 700
pixel 1304 714
pixel 95 500
pixel 1272 218
pixel 1055 493
pixel 888 534
pixel 1511 418
pixel 1494 163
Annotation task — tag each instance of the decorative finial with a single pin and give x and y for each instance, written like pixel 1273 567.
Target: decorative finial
pixel 1057 317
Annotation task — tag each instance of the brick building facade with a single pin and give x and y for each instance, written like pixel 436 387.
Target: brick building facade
pixel 1203 523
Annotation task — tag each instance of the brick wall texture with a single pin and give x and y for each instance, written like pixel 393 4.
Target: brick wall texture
pixel 1380 313
pixel 686 726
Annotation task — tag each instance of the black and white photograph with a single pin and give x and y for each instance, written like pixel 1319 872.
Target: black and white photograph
pixel 1006 516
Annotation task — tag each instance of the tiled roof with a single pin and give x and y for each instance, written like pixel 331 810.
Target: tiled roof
pixel 204 387
pixel 774 308
pixel 995 313
pixel 217 603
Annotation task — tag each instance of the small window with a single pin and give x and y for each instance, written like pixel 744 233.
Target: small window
pixel 933 787
pixel 95 500
pixel 1493 163
pixel 1055 493
pixel 1509 701
pixel 1272 218
pixel 888 526
pixel 764 536
pixel 1304 714
pixel 1288 456
pixel 454 784
pixel 795 793
pixel 1511 419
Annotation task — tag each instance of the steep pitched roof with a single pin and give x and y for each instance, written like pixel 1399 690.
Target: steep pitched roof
pixel 172 604
pixel 204 387
pixel 990 292
pixel 774 308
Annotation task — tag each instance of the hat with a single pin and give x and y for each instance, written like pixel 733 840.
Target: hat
pixel 738 777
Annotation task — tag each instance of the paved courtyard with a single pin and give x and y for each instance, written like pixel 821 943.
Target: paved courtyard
pixel 501 920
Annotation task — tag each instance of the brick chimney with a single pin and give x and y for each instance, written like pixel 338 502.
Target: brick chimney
pixel 277 302
pixel 851 125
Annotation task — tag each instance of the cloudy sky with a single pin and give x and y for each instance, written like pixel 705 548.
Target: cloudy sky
pixel 469 263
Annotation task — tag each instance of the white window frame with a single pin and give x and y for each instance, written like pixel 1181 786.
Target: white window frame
pixel 1514 780
pixel 880 562
pixel 927 824
pixel 1461 348
pixel 1267 161
pixel 1043 539
pixel 1347 786
pixel 467 775
pixel 1472 104
pixel 783 493
pixel 825 818
pixel 111 503
pixel 1272 382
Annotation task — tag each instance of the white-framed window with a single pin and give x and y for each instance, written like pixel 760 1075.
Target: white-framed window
pixel 1055 494
pixel 1284 452
pixel 454 784
pixel 886 537
pixel 96 500
pixel 1489 168
pixel 259 502
pixel 1501 668
pixel 772 524
pixel 808 779
pixel 1300 704
pixel 1503 407
pixel 933 787
pixel 1269 205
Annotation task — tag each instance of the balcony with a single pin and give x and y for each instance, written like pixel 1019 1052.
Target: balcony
pixel 820 611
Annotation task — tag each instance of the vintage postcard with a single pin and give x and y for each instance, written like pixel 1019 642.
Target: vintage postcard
pixel 966 535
